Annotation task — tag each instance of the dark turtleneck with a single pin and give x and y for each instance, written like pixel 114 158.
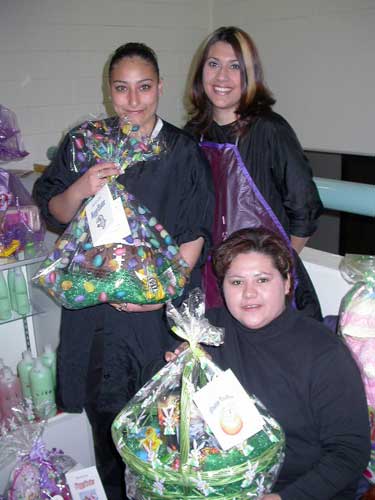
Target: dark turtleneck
pixel 307 379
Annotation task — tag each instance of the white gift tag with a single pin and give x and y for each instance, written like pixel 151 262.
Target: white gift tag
pixel 106 218
pixel 228 410
pixel 85 483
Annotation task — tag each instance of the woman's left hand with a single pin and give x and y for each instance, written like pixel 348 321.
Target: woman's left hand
pixel 271 496
pixel 129 307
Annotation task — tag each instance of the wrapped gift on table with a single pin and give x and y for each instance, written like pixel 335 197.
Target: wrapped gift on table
pixel 38 473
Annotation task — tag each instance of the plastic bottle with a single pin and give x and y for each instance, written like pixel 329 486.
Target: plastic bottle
pixel 23 368
pixel 2 366
pixel 5 309
pixel 49 359
pixel 42 390
pixel 21 297
pixel 10 279
pixel 10 393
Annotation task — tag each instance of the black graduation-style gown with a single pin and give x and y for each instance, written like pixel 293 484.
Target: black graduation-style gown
pixel 177 188
pixel 276 162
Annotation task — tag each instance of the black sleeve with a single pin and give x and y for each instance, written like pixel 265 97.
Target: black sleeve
pixel 295 181
pixel 196 206
pixel 58 176
pixel 340 411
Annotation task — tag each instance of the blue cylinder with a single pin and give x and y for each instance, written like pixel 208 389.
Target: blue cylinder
pixel 353 197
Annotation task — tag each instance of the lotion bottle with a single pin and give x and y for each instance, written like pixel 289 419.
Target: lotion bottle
pixel 5 309
pixel 42 390
pixel 24 366
pixel 21 297
pixel 10 393
pixel 10 279
pixel 49 359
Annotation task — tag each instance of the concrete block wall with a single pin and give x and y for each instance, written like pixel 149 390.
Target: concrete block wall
pixel 53 54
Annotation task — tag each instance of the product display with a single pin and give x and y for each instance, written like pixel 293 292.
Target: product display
pixel 165 441
pixel 114 249
pixel 357 327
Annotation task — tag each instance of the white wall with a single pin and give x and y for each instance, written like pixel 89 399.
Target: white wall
pixel 52 55
pixel 319 60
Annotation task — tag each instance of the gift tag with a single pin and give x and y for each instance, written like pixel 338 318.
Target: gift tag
pixel 85 483
pixel 106 219
pixel 228 410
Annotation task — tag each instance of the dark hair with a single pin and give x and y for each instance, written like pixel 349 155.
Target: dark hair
pixel 256 98
pixel 134 49
pixel 257 240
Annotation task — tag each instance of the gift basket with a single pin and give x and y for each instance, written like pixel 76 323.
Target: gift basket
pixel 21 228
pixel 133 261
pixel 170 451
pixel 38 473
pixel 11 146
pixel 357 327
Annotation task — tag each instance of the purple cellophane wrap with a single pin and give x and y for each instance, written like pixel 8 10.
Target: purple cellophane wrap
pixel 11 146
pixel 38 473
pixel 19 216
pixel 238 204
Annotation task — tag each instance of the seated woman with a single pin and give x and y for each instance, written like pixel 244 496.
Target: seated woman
pixel 302 372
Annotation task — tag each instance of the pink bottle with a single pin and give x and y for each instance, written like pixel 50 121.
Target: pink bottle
pixel 10 393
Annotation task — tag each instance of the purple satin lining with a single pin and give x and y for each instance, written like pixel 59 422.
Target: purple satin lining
pixel 238 204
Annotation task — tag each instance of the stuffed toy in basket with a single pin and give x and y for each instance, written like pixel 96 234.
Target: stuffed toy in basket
pixel 163 437
pixel 99 259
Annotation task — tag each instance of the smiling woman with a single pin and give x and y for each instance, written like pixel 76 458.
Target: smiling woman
pixel 231 113
pixel 102 348
pixel 135 88
pixel 301 371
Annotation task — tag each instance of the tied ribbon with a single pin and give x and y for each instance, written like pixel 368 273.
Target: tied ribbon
pixel 191 325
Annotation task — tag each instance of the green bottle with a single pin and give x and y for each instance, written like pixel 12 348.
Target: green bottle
pixel 23 368
pixel 42 390
pixel 10 279
pixel 49 359
pixel 5 309
pixel 21 297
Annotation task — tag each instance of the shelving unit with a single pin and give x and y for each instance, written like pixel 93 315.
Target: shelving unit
pixel 67 431
pixel 18 333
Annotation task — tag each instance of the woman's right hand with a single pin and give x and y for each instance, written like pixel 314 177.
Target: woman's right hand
pixel 171 356
pixel 95 178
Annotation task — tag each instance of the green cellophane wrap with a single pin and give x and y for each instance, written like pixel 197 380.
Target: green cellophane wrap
pixel 145 267
pixel 169 450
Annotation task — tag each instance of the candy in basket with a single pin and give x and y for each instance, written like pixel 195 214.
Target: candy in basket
pixel 38 473
pixel 357 326
pixel 163 437
pixel 99 259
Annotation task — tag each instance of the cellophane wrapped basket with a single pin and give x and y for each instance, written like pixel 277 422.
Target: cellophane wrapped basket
pixel 38 473
pixel 145 267
pixel 169 450
pixel 357 327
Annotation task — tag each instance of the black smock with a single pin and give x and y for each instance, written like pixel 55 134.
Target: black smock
pixel 307 379
pixel 101 350
pixel 276 162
